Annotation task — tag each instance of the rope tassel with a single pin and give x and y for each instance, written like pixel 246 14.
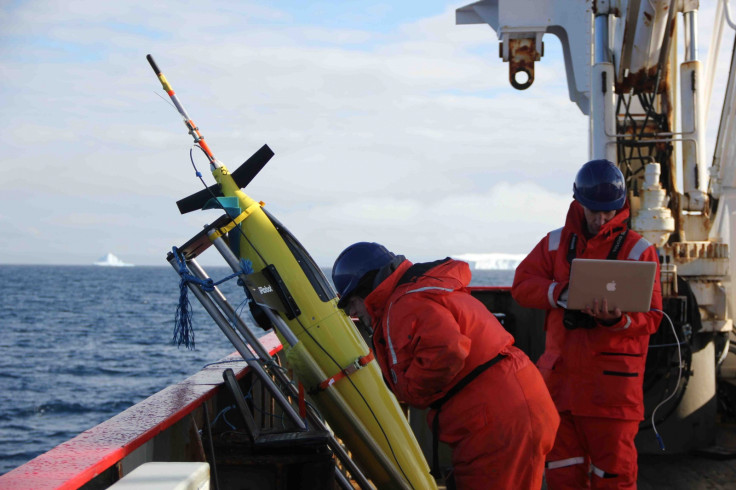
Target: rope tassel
pixel 183 328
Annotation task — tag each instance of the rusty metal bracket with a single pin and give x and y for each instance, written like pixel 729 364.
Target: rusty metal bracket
pixel 522 53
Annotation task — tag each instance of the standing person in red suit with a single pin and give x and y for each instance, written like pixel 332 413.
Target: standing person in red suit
pixel 594 359
pixel 439 347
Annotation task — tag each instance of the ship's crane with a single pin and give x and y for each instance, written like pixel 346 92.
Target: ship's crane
pixel 625 73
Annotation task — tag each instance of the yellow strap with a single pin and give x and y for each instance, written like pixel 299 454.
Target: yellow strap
pixel 238 219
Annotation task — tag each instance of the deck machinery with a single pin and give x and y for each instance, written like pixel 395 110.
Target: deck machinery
pixel 632 66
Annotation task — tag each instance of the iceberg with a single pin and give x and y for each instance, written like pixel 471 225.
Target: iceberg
pixel 110 260
pixel 491 261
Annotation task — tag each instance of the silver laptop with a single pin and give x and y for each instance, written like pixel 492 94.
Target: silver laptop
pixel 625 284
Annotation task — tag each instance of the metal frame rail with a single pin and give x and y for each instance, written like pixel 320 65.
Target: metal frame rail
pixel 225 316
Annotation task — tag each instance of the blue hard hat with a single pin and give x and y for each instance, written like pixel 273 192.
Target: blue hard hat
pixel 600 186
pixel 355 262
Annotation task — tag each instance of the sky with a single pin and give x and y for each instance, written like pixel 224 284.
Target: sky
pixel 389 123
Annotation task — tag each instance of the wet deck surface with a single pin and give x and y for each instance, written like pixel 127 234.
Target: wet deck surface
pixel 711 469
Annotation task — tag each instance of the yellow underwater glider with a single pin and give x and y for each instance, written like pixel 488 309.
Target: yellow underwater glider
pixel 321 343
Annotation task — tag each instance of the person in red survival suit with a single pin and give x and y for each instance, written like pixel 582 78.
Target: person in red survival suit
pixel 439 347
pixel 594 359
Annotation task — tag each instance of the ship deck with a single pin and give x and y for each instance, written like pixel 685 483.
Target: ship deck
pixel 712 469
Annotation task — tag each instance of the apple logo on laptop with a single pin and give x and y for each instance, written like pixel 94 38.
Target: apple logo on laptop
pixel 611 286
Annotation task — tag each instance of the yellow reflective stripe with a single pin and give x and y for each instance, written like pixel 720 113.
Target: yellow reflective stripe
pixel 238 219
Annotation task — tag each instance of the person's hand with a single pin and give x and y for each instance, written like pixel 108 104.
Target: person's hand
pixel 599 310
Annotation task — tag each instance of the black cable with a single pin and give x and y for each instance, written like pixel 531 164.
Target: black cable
pixel 211 446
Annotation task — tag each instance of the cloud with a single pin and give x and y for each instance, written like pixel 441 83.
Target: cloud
pixel 390 123
pixel 504 218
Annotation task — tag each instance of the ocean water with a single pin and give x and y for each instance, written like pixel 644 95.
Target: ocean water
pixel 79 344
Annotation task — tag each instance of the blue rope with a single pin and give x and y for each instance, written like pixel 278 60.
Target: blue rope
pixel 183 328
